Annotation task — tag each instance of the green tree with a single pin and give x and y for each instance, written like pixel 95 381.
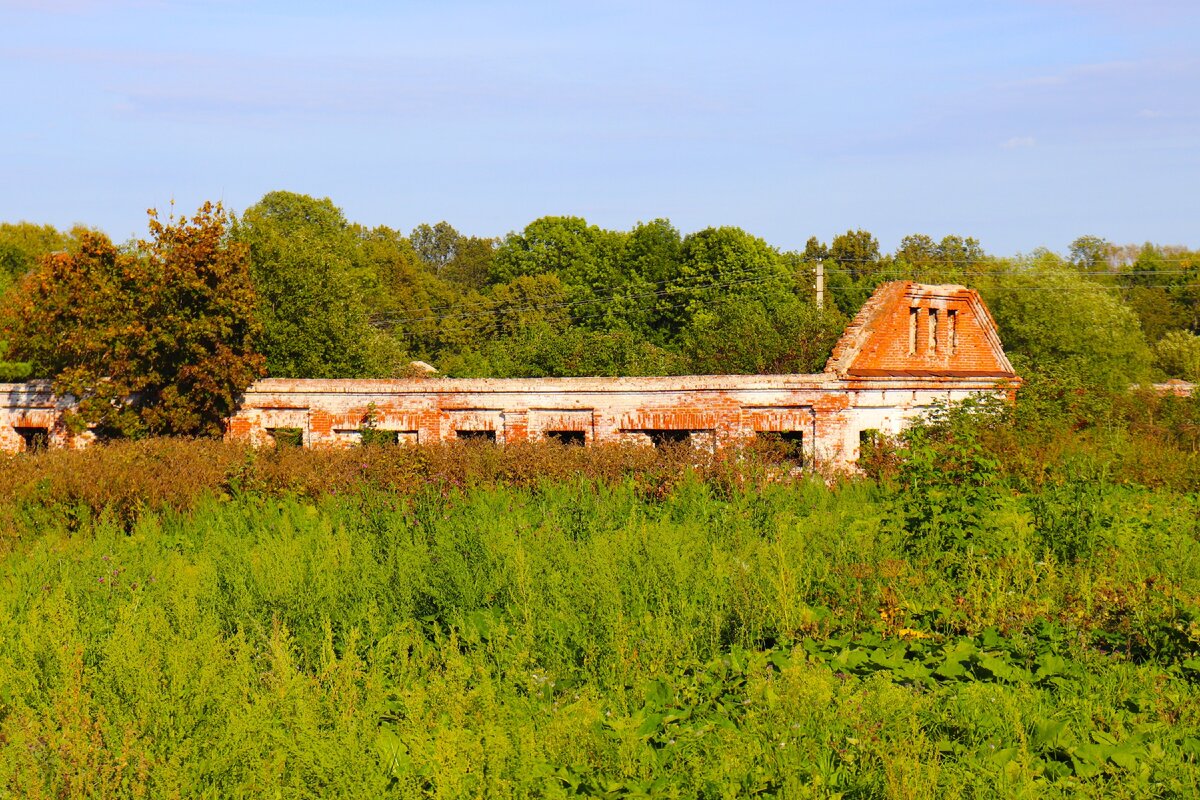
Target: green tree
pixel 1164 289
pixel 720 265
pixel 856 252
pixel 436 245
pixel 952 260
pixel 22 244
pixel 304 263
pixel 1052 317
pixel 579 253
pixel 540 350
pixel 155 341
pixel 650 260
pixel 472 262
pixel 775 335
pixel 853 268
pixel 1178 355
pixel 11 371
pixel 1090 254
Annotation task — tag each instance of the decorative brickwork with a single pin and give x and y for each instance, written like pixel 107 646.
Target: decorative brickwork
pixel 911 346
pixel 912 329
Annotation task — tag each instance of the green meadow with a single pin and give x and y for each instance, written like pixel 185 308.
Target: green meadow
pixel 190 619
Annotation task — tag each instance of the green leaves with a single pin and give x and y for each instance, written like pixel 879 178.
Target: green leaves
pixel 302 258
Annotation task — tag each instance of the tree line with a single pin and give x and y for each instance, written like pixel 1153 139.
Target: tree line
pixel 158 335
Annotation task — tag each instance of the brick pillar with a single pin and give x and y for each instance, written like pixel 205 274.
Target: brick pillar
pixel 516 427
pixel 320 427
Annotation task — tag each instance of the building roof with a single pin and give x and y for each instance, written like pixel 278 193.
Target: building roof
pixel 909 329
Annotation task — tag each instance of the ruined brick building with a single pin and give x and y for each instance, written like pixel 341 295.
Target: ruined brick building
pixel 910 346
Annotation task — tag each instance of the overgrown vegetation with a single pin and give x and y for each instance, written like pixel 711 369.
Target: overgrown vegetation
pixel 191 618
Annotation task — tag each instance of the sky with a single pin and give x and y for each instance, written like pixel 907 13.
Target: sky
pixel 1023 123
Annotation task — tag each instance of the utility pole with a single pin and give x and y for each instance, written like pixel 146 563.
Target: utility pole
pixel 820 284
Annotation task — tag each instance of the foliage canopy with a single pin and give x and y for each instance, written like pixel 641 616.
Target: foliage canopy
pixel 158 340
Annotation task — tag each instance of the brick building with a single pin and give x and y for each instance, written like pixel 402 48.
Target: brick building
pixel 910 346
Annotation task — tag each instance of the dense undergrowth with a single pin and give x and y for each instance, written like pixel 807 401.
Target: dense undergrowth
pixel 194 619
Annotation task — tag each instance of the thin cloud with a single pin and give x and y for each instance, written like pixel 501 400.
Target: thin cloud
pixel 1019 142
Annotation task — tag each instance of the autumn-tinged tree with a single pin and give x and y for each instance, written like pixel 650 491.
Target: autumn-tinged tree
pixel 157 340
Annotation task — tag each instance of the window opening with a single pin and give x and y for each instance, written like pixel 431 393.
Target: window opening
pixel 36 439
pixel 575 438
pixel 952 324
pixel 933 330
pixel 664 438
pixel 786 445
pixel 476 436
pixel 377 437
pixel 287 437
pixel 913 313
pixel 869 442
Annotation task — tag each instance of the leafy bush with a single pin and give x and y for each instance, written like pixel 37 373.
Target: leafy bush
pixel 948 481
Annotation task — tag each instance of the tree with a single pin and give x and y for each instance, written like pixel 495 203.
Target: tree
pixel 304 266
pixel 155 341
pixel 583 256
pixel 1178 355
pixel 437 245
pixel 1053 318
pixel 11 371
pixel 22 244
pixel 775 335
pixel 1090 254
pixel 922 259
pixel 856 252
pixel 720 265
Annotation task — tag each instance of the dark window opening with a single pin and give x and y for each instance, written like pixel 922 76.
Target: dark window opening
pixel 665 438
pixel 287 437
pixel 567 437
pixel 868 440
pixel 476 436
pixel 785 445
pixel 36 439
pixel 375 437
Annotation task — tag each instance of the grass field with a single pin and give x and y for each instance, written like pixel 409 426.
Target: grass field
pixel 596 636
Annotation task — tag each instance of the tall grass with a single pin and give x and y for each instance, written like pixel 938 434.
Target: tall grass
pixel 476 628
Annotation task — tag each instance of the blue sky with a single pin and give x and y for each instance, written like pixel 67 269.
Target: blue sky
pixel 1023 123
